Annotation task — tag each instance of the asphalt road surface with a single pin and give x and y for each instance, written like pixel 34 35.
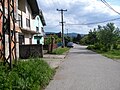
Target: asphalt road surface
pixel 86 70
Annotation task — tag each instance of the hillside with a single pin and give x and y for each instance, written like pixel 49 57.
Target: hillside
pixel 69 34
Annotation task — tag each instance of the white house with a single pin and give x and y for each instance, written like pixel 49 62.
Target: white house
pixel 30 21
pixel 39 24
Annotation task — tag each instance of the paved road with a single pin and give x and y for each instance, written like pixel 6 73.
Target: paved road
pixel 86 70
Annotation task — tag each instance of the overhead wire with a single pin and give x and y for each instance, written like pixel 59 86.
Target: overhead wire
pixel 109 6
pixel 92 23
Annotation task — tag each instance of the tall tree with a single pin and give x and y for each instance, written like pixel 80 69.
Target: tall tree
pixel 78 37
pixel 92 36
pixel 108 35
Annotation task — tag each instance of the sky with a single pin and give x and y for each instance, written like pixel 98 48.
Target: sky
pixel 78 12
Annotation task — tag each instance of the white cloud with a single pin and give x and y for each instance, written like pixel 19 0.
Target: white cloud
pixel 79 11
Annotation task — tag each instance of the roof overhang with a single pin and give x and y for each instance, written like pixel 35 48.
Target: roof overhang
pixel 34 7
pixel 42 17
pixel 35 10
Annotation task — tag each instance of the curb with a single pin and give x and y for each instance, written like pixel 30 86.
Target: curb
pixel 52 56
pixel 54 61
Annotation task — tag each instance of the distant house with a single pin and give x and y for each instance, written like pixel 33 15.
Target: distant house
pixel 39 24
pixel 29 18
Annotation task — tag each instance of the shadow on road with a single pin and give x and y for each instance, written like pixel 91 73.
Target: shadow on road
pixel 80 48
pixel 83 52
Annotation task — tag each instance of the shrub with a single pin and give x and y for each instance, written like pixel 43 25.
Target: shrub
pixel 118 47
pixel 27 75
pixel 98 46
pixel 91 47
pixel 115 46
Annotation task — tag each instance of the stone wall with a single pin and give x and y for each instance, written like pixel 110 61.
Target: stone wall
pixel 28 51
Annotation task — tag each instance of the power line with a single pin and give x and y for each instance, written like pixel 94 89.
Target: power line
pixel 92 23
pixel 109 6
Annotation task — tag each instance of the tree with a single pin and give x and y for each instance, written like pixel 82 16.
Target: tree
pixel 104 37
pixel 108 35
pixel 84 40
pixel 77 39
pixel 92 37
pixel 49 39
pixel 67 39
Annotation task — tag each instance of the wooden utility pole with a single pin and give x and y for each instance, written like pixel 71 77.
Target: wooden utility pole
pixel 62 22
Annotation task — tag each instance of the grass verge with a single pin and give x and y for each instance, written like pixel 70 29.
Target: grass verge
pixel 113 54
pixel 33 74
pixel 60 50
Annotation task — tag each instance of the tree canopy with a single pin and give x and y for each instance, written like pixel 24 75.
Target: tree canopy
pixel 105 37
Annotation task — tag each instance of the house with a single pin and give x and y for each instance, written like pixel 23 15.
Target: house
pixel 31 22
pixel 26 15
pixel 39 24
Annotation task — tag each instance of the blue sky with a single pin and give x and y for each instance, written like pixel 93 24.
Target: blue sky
pixel 78 12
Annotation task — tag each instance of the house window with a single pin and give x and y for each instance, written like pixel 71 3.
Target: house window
pixel 27 22
pixel 20 20
pixel 37 29
pixel 21 39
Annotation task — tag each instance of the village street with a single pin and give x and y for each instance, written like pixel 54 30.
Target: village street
pixel 85 70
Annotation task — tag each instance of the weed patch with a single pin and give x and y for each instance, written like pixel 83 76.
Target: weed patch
pixel 33 74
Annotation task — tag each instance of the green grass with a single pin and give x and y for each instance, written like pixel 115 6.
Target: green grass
pixel 60 50
pixel 33 74
pixel 113 54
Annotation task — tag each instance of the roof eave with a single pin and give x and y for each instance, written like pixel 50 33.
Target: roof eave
pixel 34 7
pixel 42 18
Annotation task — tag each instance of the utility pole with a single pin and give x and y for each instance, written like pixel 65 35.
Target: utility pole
pixel 63 42
pixel 8 32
